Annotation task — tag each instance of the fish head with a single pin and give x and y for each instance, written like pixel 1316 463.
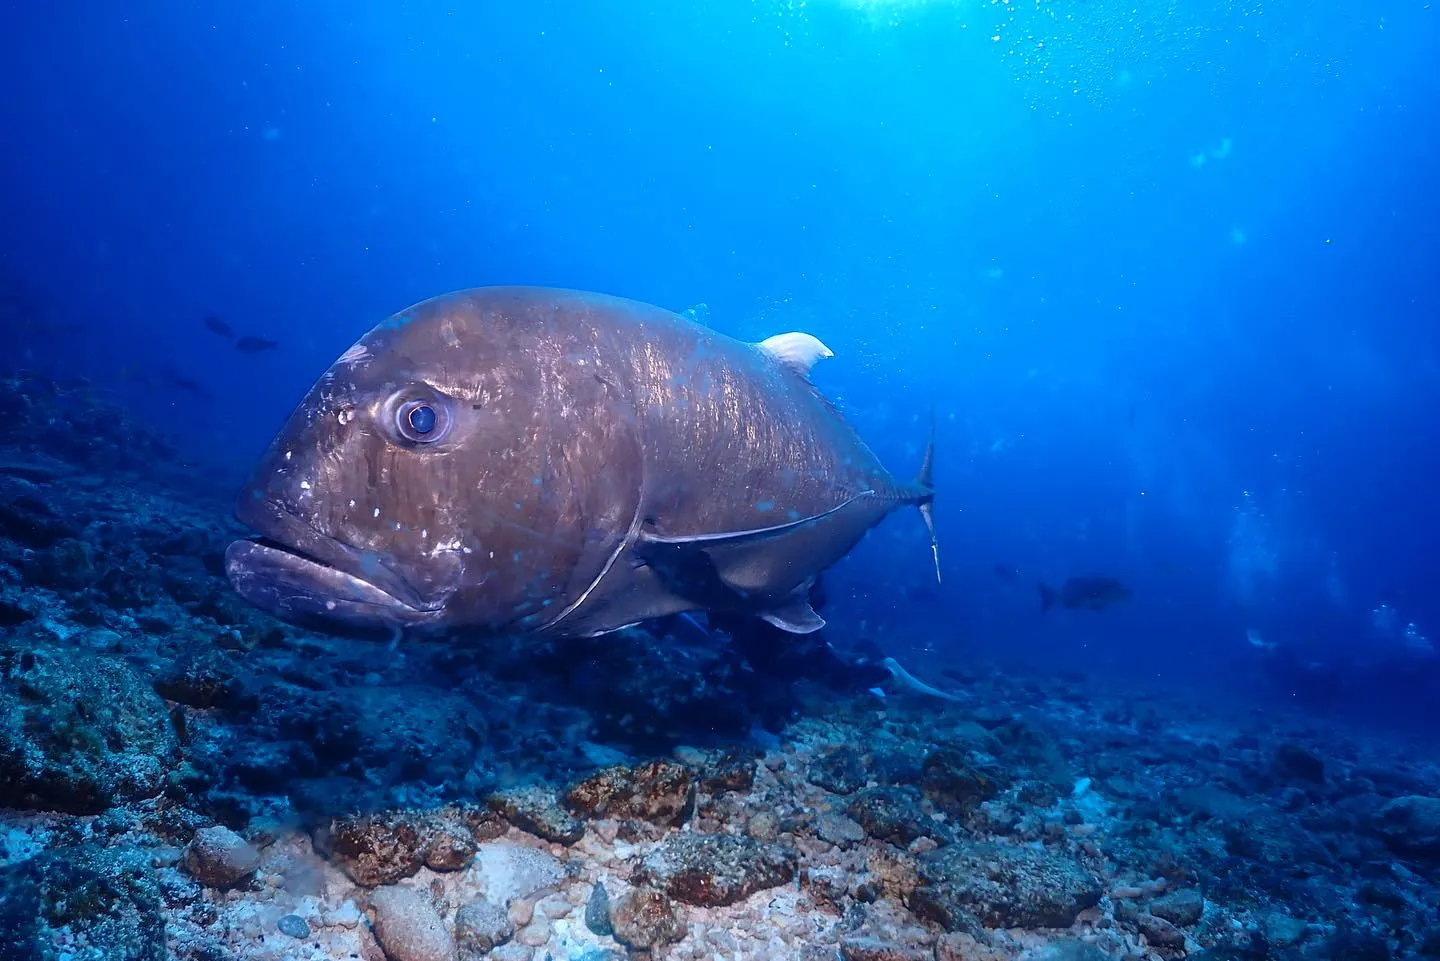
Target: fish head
pixel 405 489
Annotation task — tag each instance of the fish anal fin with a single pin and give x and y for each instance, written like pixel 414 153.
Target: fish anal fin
pixel 796 350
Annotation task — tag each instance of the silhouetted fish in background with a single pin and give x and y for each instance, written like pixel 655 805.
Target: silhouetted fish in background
pixel 217 326
pixel 1092 591
pixel 1007 573
pixel 248 344
pixel 523 460
pixel 253 345
pixel 173 378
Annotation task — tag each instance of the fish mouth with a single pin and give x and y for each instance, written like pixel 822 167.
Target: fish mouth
pixel 300 575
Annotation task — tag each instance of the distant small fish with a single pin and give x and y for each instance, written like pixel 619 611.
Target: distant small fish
pixel 1092 591
pixel 217 326
pixel 1007 573
pixel 250 344
pixel 173 378
pixel 1257 641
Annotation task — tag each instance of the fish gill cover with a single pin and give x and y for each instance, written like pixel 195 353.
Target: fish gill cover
pixel 1158 278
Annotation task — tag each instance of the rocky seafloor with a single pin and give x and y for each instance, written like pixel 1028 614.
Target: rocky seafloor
pixel 183 777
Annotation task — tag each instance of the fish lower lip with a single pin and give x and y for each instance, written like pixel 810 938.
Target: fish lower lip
pixel 310 592
pixel 282 531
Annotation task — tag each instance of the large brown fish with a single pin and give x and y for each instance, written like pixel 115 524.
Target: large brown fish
pixel 525 460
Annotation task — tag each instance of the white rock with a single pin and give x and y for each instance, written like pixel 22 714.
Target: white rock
pixel 408 927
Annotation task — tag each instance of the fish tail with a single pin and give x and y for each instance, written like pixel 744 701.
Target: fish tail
pixel 923 494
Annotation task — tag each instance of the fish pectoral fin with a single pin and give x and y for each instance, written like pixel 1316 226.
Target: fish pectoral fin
pixel 797 617
pixel 762 567
pixel 796 350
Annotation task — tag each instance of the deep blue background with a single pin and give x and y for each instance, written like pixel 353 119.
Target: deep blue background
pixel 1142 260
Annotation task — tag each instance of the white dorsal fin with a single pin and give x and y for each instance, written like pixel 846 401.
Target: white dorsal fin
pixel 795 349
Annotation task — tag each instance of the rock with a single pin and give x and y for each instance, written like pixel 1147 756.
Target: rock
pixel 1067 950
pixel 660 792
pixel 537 810
pixel 220 858
pixel 838 829
pixel 644 918
pixel 294 926
pixel 894 814
pixel 763 826
pixel 827 886
pixel 1358 946
pixel 727 771
pixel 376 849
pixel 1283 931
pixel 1295 763
pixel 110 897
pixel 952 784
pixel 713 870
pixel 1410 826
pixel 1182 908
pixel 873 949
pixel 1158 931
pixel 78 731
pixel 597 912
pixel 408 927
pixel 534 935
pixel 204 680
pixel 897 873
pixel 480 927
pixel 839 771
pixel 512 952
pixel 510 872
pixel 449 850
pixel 1003 886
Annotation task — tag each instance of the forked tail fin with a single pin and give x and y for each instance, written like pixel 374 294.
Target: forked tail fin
pixel 925 494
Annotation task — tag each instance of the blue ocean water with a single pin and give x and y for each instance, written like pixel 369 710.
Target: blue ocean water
pixel 1166 273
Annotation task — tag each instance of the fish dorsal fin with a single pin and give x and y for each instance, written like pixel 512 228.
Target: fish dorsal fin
pixel 796 349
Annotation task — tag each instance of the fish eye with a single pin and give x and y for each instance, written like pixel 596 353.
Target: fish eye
pixel 420 420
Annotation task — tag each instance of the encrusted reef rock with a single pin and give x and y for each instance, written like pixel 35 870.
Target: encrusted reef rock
pixel 220 858
pixel 1411 826
pixel 894 814
pixel 538 810
pixel 376 849
pixel 644 918
pixel 714 869
pixel 1002 886
pixel 384 847
pixel 78 731
pixel 952 783
pixel 480 927
pixel 661 792
pixel 110 897
pixel 839 770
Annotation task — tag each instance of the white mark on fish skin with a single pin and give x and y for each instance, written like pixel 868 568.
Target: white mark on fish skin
pixel 345 415
pixel 354 355
pixel 375 513
pixel 289 454
pixel 492 555
pixel 304 485
pixel 352 502
pixel 424 533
